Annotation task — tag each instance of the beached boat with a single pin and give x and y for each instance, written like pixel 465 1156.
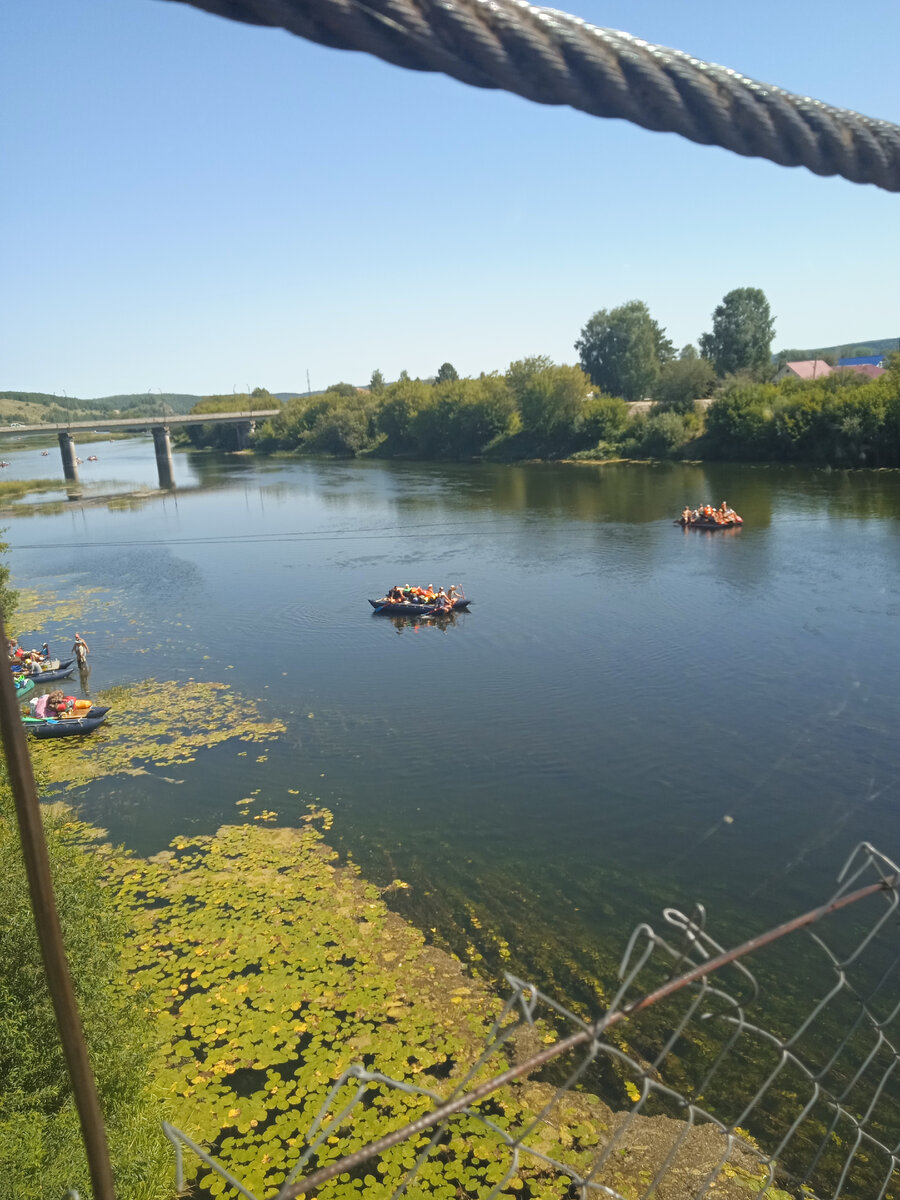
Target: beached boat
pixel 402 609
pixel 53 727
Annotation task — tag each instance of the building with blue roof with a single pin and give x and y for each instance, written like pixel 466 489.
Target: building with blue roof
pixel 868 360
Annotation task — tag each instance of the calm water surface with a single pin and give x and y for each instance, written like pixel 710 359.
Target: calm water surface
pixel 631 715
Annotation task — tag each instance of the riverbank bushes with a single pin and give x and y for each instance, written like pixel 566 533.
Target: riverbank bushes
pixel 40 1141
pixel 541 409
pixel 839 421
pixel 536 409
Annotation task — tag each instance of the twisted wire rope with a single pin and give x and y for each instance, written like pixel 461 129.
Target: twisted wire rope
pixel 551 57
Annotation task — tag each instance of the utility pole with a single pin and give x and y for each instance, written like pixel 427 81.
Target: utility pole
pixel 308 392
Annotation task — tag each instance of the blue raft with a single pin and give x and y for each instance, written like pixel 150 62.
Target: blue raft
pixel 403 609
pixel 53 727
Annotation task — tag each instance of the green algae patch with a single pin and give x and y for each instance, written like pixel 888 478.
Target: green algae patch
pixel 38 609
pixel 268 970
pixel 152 724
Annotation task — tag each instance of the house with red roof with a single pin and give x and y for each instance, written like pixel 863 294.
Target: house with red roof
pixel 811 368
pixel 868 369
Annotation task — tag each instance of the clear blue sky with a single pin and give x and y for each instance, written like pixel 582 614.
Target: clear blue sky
pixel 198 206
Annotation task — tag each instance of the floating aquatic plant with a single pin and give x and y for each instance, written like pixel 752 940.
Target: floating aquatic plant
pixel 38 609
pixel 158 723
pixel 271 970
pixel 268 970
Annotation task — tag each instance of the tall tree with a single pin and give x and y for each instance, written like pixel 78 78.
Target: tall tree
pixel 376 383
pixel 682 382
pixel 446 373
pixel 742 332
pixel 622 349
pixel 551 398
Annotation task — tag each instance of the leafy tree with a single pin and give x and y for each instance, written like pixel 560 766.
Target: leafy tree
pixel 341 389
pixel 603 419
pixel 664 433
pixel 739 421
pixel 682 382
pixel 341 420
pixel 220 437
pixel 398 406
pixel 9 599
pixel 550 397
pixel 376 383
pixel 520 372
pixel 742 333
pixel 446 373
pixel 462 416
pixel 343 429
pixel 688 352
pixel 622 349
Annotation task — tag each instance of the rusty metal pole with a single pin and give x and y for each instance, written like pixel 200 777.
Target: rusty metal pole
pixel 46 918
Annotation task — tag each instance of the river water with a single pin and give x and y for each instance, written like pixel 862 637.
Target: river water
pixel 632 715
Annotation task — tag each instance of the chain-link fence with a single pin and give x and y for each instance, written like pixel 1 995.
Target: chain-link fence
pixel 771 1068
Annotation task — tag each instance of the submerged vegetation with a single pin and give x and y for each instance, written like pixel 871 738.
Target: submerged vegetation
pixel 269 970
pixel 156 723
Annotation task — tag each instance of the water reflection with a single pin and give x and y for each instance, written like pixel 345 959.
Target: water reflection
pixel 438 621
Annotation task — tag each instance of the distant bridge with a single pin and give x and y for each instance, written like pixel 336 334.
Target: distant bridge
pixel 244 424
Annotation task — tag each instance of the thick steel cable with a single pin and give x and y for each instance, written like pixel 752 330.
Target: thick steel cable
pixel 554 58
pixel 53 952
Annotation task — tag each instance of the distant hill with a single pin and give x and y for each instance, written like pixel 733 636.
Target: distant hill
pixel 178 402
pixel 845 350
pixel 37 408
pixel 40 407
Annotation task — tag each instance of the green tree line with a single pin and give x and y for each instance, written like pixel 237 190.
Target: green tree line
pixel 842 420
pixel 536 407
pixel 539 408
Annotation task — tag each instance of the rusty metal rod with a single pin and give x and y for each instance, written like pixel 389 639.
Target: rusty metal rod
pixel 46 919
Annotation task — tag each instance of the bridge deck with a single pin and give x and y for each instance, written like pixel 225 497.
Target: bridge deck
pixel 144 422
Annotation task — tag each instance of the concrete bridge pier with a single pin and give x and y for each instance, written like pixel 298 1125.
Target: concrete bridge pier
pixel 67 450
pixel 164 464
pixel 242 431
